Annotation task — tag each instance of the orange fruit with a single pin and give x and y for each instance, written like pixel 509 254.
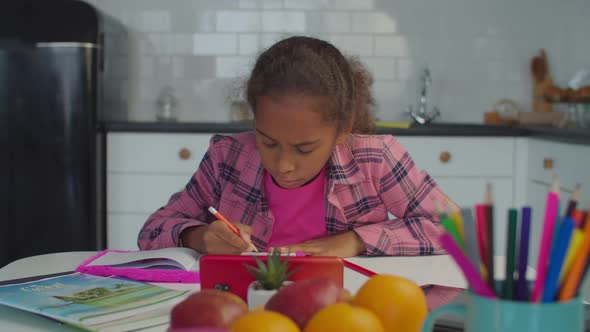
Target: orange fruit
pixel 343 317
pixel 264 321
pixel 399 303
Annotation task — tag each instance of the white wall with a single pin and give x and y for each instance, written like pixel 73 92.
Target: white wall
pixel 478 50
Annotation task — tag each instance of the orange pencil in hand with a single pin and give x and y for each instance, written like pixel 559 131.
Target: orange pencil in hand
pixel 229 224
pixel 222 218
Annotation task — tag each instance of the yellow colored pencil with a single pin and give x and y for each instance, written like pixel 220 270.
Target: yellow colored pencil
pixel 572 250
pixel 455 215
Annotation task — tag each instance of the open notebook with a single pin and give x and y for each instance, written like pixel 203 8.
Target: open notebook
pixel 179 265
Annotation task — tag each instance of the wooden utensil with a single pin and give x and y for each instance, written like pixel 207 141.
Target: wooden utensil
pixel 541 81
pixel 537 69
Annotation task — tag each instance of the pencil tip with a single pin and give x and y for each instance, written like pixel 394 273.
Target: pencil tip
pixel 576 194
pixel 555 183
pixel 489 197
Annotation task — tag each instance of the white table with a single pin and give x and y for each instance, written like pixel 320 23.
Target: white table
pixel 423 270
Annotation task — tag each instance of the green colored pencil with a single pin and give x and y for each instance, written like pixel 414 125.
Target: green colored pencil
pixel 451 228
pixel 508 289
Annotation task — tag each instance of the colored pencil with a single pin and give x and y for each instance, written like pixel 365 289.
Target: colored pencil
pixel 546 240
pixel 455 215
pixel 489 262
pixel 575 243
pixel 584 219
pixel 557 259
pixel 470 236
pixel 449 222
pixel 451 228
pixel 558 221
pixel 233 228
pixel 476 283
pixel 480 214
pixel 358 268
pixel 439 209
pixel 573 278
pixel 508 285
pixel 522 289
pixel 584 273
pixel 573 201
pixel 578 217
pixel 219 216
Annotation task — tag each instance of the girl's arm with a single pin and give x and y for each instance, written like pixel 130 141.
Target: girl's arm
pixel 187 208
pixel 409 194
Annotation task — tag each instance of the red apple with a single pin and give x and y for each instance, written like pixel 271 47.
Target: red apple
pixel 207 308
pixel 303 299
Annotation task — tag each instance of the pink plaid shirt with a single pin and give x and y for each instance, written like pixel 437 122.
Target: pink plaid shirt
pixel 368 176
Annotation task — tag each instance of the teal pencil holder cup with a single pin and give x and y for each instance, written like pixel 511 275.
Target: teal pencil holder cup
pixel 483 314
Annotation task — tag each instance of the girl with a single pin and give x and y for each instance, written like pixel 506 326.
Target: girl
pixel 305 179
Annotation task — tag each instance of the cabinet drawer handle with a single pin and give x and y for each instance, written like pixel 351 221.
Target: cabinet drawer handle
pixel 444 157
pixel 184 154
pixel 548 163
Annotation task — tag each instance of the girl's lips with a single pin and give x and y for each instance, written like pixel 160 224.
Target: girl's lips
pixel 287 183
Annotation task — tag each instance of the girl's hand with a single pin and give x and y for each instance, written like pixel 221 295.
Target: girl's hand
pixel 345 244
pixel 217 238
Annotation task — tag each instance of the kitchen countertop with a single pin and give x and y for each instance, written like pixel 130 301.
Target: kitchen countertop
pixel 571 135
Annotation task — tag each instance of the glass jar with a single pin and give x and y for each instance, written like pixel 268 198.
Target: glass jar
pixel 167 105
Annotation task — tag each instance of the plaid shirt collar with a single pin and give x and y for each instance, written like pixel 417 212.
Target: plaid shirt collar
pixel 342 169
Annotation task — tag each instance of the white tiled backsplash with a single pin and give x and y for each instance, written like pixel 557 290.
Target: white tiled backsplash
pixel 478 50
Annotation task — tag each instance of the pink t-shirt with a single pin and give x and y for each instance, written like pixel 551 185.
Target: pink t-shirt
pixel 299 213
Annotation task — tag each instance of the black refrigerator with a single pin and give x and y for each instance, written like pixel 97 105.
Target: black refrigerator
pixel 52 150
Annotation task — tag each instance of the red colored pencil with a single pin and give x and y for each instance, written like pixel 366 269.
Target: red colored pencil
pixel 358 268
pixel 481 223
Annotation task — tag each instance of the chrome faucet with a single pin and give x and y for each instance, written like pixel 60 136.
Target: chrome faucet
pixel 421 114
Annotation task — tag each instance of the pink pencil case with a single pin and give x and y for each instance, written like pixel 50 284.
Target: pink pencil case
pixel 139 274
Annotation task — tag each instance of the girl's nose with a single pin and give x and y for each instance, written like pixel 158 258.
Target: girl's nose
pixel 285 163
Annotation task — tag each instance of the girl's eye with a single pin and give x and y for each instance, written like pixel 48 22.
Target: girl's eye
pixel 304 152
pixel 269 145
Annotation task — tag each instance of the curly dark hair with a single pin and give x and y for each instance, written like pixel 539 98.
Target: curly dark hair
pixel 314 67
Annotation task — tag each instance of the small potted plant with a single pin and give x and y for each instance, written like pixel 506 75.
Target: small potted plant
pixel 270 277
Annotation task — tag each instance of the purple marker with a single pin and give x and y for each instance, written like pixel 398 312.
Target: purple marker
pixel 522 290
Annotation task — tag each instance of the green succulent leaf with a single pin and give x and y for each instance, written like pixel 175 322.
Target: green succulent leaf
pixel 274 273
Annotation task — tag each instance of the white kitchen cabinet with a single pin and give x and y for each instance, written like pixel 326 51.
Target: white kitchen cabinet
pixel 570 162
pixel 467 156
pixel 143 171
pixel 162 153
pixel 462 166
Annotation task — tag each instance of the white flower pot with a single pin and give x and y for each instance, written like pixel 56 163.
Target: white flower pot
pixel 257 297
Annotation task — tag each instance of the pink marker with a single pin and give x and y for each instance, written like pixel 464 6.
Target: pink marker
pixel 477 284
pixel 546 240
